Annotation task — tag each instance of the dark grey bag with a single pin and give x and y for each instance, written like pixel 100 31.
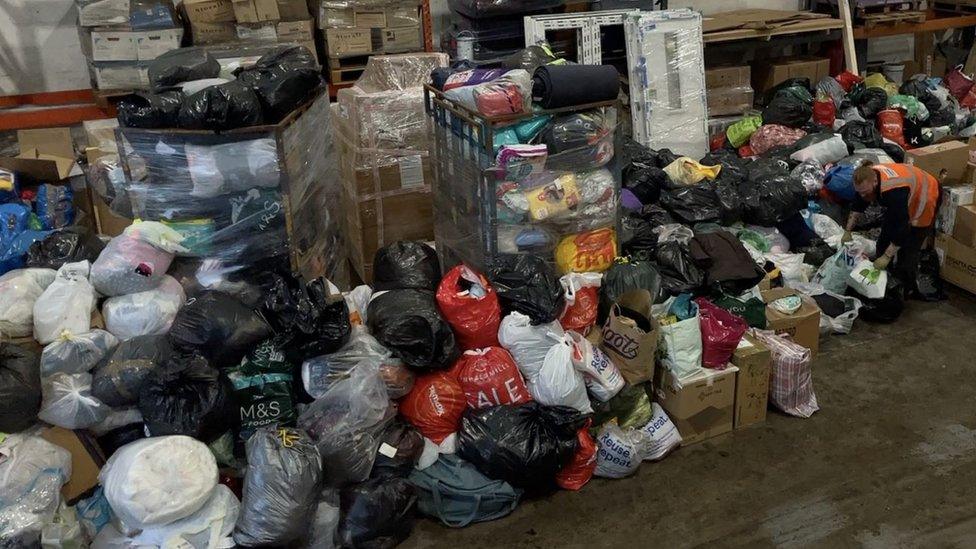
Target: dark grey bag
pixel 455 492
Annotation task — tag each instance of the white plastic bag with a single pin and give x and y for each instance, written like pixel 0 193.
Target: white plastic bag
pixel 159 480
pixel 68 402
pixel 557 382
pixel 19 289
pixel 76 354
pixel 792 267
pixel 824 152
pixel 778 243
pixel 528 344
pixel 682 343
pixel 833 274
pixel 66 305
pixel 144 313
pixel 840 324
pixel 825 227
pixel 603 379
pixel 868 281
pixel 619 452
pixel 660 435
pixel 32 471
pixel 357 300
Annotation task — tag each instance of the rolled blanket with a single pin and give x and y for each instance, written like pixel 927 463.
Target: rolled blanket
pixel 557 86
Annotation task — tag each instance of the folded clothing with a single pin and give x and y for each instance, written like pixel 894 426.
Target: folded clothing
pixel 557 86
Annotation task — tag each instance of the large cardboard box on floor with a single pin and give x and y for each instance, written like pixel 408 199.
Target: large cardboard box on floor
pixel 958 262
pixel 946 161
pixel 964 229
pixel 86 460
pixel 953 197
pixel 702 406
pixel 766 75
pixel 803 325
pixel 752 384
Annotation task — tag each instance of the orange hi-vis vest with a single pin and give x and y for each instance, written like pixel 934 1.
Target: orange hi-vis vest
pixel 923 189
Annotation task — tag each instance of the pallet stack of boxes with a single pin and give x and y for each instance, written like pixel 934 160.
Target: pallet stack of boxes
pixel 120 38
pixel 222 21
pixel 954 162
pixel 356 29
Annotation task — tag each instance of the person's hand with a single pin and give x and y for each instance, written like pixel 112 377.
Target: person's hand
pixel 848 237
pixel 882 262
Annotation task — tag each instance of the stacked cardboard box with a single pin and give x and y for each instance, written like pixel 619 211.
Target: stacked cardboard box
pixel 219 21
pixel 728 90
pixel 121 38
pixel 766 75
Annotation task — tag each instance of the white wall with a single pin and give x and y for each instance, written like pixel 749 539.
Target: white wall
pixel 39 49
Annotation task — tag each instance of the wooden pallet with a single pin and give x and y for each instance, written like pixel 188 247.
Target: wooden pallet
pixel 863 12
pixel 893 18
pixel 955 6
pixel 346 70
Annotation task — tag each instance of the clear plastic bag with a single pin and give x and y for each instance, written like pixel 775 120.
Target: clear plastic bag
pixel 76 354
pixel 144 313
pixel 66 305
pixel 320 373
pixel 136 260
pixel 19 289
pixel 118 380
pixel 68 402
pixel 32 471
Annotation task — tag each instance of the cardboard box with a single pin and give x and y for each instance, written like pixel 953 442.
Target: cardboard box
pixel 213 33
pixel 112 45
pixel 958 262
pixel 754 361
pixel 964 230
pixel 946 161
pixel 701 407
pixel 108 222
pixel 46 155
pixel 259 32
pixel 293 10
pixel 330 18
pixel 256 11
pixel 803 326
pixel 86 460
pixel 152 44
pixel 371 19
pixel 767 75
pixel 296 31
pixel 104 12
pixel 400 40
pixel 728 77
pixel 726 101
pixel 952 199
pixel 403 17
pixel 348 42
pixel 121 75
pixel 208 11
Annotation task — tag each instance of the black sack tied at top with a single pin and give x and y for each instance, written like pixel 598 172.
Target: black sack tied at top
pixel 186 396
pixel 20 387
pixel 409 324
pixel 219 327
pixel 860 135
pixel 406 264
pixel 693 204
pixel 70 245
pixel 182 65
pixel 527 284
pixel 309 320
pixel 144 109
pixel 679 272
pixel 221 107
pixel 871 101
pixel 525 445
pixel 377 513
pixel 771 200
pixel 283 80
pixel 786 109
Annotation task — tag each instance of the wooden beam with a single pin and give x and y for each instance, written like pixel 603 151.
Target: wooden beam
pixel 933 22
pixel 850 54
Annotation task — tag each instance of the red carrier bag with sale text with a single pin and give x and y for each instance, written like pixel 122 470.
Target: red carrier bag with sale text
pixel 578 472
pixel 434 405
pixel 490 377
pixel 721 332
pixel 582 296
pixel 470 305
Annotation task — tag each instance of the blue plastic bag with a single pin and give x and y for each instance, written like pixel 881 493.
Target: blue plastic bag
pixel 13 253
pixel 840 181
pixel 54 206
pixel 13 221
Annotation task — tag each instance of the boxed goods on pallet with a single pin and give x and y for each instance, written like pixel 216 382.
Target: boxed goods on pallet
pixel 729 90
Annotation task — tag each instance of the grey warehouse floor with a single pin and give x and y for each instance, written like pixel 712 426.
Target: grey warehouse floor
pixel 889 461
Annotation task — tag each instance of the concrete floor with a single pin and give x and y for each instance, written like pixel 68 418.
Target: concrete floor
pixel 889 461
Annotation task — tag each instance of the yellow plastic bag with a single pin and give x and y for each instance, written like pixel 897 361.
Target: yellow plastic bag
pixel 685 171
pixel 591 251
pixel 553 199
pixel 878 80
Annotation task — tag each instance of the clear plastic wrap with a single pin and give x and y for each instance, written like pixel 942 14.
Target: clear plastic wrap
pixel 32 471
pixel 68 402
pixel 342 13
pixel 478 9
pixel 144 313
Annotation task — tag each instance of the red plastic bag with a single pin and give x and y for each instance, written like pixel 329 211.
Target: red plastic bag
pixel 721 332
pixel 717 142
pixel 746 151
pixel 489 377
pixel 824 111
pixel 474 319
pixel 578 472
pixel 847 80
pixel 582 295
pixel 891 123
pixel 958 82
pixel 969 101
pixel 434 405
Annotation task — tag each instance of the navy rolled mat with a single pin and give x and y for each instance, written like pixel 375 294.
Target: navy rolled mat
pixel 557 86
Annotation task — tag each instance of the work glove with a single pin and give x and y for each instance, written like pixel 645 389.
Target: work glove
pixel 848 237
pixel 882 262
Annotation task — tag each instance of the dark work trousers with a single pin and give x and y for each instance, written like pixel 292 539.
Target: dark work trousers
pixel 905 265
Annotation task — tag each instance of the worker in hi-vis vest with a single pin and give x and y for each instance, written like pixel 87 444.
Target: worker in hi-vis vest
pixel 910 197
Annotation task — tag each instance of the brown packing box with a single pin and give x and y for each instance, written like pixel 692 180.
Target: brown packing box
pixel 403 17
pixel 256 11
pixel 728 77
pixel 964 229
pixel 958 262
pixel 803 326
pixel 86 460
pixel 293 10
pixel 213 33
pixel 768 75
pixel 330 18
pixel 700 407
pixel 46 155
pixel 296 31
pixel 946 161
pixel 401 40
pixel 208 11
pixel 752 384
pixel 371 19
pixel 630 348
pixel 347 42
pixel 726 101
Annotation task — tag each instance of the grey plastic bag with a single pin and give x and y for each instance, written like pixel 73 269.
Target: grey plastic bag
pixel 281 488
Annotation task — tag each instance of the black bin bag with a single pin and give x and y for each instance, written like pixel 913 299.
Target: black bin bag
pixel 308 319
pixel 884 310
pixel 219 327
pixel 524 445
pixel 283 80
pixel 679 272
pixel 527 284
pixel 626 275
pixel 144 109
pixel 860 135
pixel 119 377
pixel 20 387
pixel 221 107
pixel 281 487
pixel 406 264
pixel 70 245
pixel 787 109
pixel 637 237
pixel 693 204
pixel 376 513
pixel 772 200
pixel 182 65
pixel 408 323
pixel 870 102
pixel 186 396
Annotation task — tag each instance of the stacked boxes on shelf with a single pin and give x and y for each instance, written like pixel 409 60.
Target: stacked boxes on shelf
pixel 219 21
pixel 121 38
pixel 729 90
pixel 355 29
